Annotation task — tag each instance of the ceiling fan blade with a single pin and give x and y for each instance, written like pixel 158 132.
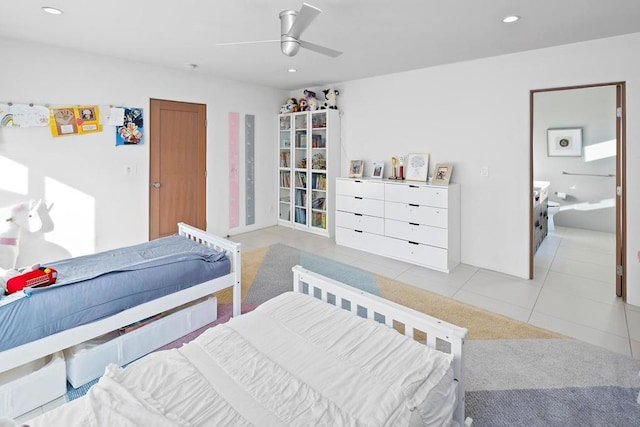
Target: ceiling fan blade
pixel 250 42
pixel 303 19
pixel 320 49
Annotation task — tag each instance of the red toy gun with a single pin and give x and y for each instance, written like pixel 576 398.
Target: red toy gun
pixel 43 276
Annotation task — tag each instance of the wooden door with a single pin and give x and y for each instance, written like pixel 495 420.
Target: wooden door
pixel 178 148
pixel 621 192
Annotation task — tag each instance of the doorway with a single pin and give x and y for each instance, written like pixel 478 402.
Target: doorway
pixel 177 170
pixel 615 146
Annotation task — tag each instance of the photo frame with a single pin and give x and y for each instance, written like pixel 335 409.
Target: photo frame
pixel 417 167
pixel 355 170
pixel 442 173
pixel 378 170
pixel 564 142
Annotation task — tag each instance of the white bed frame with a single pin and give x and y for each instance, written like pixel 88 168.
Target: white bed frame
pixel 34 350
pixel 335 293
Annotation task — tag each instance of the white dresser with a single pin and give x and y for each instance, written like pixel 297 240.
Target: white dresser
pixel 406 220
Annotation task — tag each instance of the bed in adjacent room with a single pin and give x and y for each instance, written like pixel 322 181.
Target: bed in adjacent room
pixel 101 293
pixel 335 358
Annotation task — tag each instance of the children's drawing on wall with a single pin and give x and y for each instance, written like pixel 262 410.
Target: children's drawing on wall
pixel 23 115
pixel 74 120
pixel 63 121
pixel 131 132
pixel 88 118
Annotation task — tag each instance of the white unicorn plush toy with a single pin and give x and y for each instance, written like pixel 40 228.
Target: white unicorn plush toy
pixel 13 219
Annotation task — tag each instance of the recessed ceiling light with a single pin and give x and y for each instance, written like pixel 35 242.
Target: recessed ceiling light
pixel 510 19
pixel 292 70
pixel 52 10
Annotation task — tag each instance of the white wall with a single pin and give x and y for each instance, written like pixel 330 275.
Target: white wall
pixel 96 205
pixel 472 113
pixel 590 200
pixel 476 114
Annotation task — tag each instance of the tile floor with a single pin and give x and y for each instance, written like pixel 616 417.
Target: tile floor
pixel 573 290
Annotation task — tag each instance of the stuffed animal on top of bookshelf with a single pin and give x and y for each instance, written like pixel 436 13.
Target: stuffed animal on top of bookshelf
pixel 331 99
pixel 303 105
pixel 291 106
pixel 312 101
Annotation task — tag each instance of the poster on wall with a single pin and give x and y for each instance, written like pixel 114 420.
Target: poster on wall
pixel 131 132
pixel 74 120
pixel 23 115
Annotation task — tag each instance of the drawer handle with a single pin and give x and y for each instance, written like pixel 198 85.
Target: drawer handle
pixel 358 231
pixel 413 206
pixel 357 214
pixel 357 180
pixel 413 243
pixel 415 224
pixel 413 186
pixel 358 198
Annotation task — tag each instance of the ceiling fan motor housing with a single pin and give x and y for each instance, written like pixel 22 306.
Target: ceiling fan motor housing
pixel 289 45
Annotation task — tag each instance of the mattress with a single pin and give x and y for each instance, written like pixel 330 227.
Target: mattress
pixel 96 286
pixel 294 361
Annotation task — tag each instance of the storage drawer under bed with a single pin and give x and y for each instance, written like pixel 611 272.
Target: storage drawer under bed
pixel 87 361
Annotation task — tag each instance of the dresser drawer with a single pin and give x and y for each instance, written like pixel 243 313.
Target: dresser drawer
pixel 370 224
pixel 428 256
pixel 417 214
pixel 417 194
pixel 425 234
pixel 360 205
pixel 360 188
pixel 360 240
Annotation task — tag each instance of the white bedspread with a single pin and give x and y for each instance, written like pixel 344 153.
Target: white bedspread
pixel 294 361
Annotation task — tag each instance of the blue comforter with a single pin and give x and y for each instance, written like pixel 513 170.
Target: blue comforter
pixel 107 283
pixel 167 250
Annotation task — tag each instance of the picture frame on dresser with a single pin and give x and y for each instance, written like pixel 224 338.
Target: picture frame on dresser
pixel 442 174
pixel 417 168
pixel 378 170
pixel 355 169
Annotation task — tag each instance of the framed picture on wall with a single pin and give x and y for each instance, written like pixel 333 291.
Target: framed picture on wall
pixel 355 170
pixel 564 142
pixel 378 169
pixel 442 173
pixel 417 167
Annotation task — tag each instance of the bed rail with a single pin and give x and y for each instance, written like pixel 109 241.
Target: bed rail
pixel 393 315
pixel 219 244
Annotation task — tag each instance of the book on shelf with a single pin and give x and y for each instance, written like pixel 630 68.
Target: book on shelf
pixel 319 219
pixel 319 181
pixel 318 203
pixel 301 179
pixel 317 141
pixel 285 179
pixel 301 140
pixel 301 197
pixel 285 157
pixel 301 216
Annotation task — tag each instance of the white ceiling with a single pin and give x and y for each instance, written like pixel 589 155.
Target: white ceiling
pixel 377 36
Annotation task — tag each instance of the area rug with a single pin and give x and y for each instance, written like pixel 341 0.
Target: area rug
pixel 516 374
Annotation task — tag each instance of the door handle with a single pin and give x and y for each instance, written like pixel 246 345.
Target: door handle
pixel 156 184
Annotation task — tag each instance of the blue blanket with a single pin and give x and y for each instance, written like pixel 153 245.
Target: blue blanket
pixel 107 283
pixel 166 250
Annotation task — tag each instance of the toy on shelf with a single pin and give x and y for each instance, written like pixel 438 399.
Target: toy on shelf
pixel 291 106
pixel 331 99
pixel 312 101
pixel 303 105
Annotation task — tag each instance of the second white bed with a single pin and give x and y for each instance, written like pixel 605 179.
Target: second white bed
pixel 295 360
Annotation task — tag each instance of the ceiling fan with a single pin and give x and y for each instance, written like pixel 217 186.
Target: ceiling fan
pixel 292 25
